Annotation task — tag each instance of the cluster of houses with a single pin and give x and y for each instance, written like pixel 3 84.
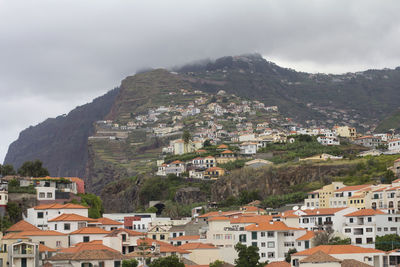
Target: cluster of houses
pixel 63 235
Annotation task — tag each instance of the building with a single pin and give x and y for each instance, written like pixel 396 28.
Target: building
pixel 39 215
pixel 248 148
pixel 328 141
pixel 214 172
pixel 370 256
pixel 226 156
pixel 363 226
pixel 369 141
pixel 394 145
pixel 321 198
pixel 346 131
pixel 341 196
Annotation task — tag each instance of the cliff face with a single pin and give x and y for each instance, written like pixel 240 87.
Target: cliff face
pixel 273 181
pixel 61 143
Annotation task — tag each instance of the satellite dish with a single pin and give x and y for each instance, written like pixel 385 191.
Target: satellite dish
pixel 295 208
pixel 303 208
pixel 152 248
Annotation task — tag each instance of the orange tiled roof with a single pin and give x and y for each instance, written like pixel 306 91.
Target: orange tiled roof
pixel 107 221
pixel 22 226
pixel 72 217
pixel 214 169
pixel 324 211
pixel 269 226
pixel 352 188
pixel 364 212
pixel 186 237
pixel 307 236
pixel 251 219
pixel 223 146
pixel 278 264
pixel 90 230
pixel 289 214
pixel 218 213
pixel 43 248
pixel 84 246
pixel 338 249
pixel 227 152
pixel 319 257
pixel 397 160
pixel 59 206
pixel 26 234
pixel 176 162
pixel 193 246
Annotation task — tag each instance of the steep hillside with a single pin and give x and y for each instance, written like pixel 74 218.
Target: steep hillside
pixel 389 123
pixel 361 99
pixel 61 143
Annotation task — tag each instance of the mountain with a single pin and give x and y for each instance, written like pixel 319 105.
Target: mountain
pixel 107 153
pixel 389 123
pixel 61 143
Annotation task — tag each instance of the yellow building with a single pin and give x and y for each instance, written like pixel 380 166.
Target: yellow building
pixel 327 192
pixel 214 172
pixel 346 131
pixel 225 157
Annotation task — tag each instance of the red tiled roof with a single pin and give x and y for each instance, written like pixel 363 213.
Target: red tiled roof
pixel 218 218
pixel 107 221
pixel 278 264
pixel 251 219
pixel 324 211
pixel 90 230
pixel 338 249
pixel 59 206
pixel 307 236
pixel 22 226
pixel 43 248
pixel 26 234
pixel 269 226
pixel 364 212
pixel 352 188
pixel 72 218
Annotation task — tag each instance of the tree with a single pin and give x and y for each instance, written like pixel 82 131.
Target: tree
pixel 7 169
pixel 388 177
pixel 217 263
pixel 291 251
pixel 323 237
pixel 387 242
pixel 14 211
pixel 33 169
pixel 95 205
pixel 207 143
pixel 151 210
pixel 130 263
pixel 171 261
pixel 247 256
pixel 186 137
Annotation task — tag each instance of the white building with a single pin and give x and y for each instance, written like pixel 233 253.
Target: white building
pixel 248 148
pixel 40 215
pixel 394 145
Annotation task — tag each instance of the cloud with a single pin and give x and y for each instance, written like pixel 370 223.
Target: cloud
pixel 57 54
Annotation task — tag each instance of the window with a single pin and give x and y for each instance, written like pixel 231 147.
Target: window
pixel 124 237
pixel 86 239
pixel 134 227
pixel 262 234
pixel 379 229
pixel 174 235
pixel 271 255
pixel 369 219
pixel 41 242
pixel 254 244
pixel 270 234
pixel 263 244
pixel 55 227
pixel 49 195
pixel 254 235
pixel 385 229
pixel 42 195
pixel 162 237
pixel 58 244
pixel 358 240
pixel 242 238
pixel 351 220
pixel 67 226
pixel 154 237
pixel 390 219
pixel 368 230
pixel 40 215
pixel 393 229
pixel 369 240
pixel 347 230
pixel 262 255
pixel 271 244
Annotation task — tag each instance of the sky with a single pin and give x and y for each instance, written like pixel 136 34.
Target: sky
pixel 55 55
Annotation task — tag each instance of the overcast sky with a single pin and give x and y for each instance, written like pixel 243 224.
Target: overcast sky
pixel 55 55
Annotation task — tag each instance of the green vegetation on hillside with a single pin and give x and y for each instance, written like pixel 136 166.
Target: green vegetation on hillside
pixel 391 122
pixel 307 147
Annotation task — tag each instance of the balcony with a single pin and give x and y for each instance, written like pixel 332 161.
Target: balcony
pixel 23 253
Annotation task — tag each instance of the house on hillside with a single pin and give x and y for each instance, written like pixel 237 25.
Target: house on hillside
pixel 248 148
pixel 369 141
pixel 394 145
